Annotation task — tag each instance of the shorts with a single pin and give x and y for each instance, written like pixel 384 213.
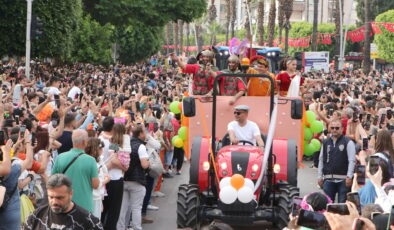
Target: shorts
pixel 168 157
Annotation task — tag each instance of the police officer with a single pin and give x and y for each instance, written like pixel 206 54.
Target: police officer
pixel 336 163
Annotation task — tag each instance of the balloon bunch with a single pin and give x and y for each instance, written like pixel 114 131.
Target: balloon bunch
pixel 313 126
pixel 176 107
pixel 178 140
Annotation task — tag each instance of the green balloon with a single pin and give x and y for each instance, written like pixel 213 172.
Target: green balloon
pixel 317 126
pixel 307 134
pixel 174 107
pixel 182 133
pixel 308 150
pixel 310 116
pixel 174 139
pixel 315 144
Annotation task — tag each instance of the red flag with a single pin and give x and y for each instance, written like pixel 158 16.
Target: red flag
pixel 324 38
pixel 375 28
pixel 389 26
pixel 357 35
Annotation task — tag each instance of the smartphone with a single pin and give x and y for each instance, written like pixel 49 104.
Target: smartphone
pixel 80 97
pixel 354 197
pixel 2 137
pixel 360 170
pixel 331 112
pixel 33 138
pixel 321 107
pixel 296 206
pixel 57 100
pixel 389 114
pixel 375 120
pixel 54 123
pixel 164 100
pixel 359 224
pixel 355 117
pixel 374 162
pixel 22 130
pixel 392 215
pixel 368 117
pixel 311 219
pixel 338 208
pixel 382 118
pixel 17 119
pixel 365 143
pixel 360 117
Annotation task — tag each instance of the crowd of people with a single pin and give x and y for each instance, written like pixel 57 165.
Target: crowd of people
pixel 86 147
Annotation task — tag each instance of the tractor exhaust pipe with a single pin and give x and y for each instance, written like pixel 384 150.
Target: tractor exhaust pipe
pixel 268 146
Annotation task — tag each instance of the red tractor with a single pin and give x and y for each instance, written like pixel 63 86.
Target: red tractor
pixel 240 184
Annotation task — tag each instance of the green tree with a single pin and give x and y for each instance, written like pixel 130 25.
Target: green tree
pixel 385 40
pixel 137 42
pixel 93 42
pixel 376 7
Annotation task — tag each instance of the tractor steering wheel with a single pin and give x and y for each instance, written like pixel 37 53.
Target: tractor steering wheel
pixel 246 142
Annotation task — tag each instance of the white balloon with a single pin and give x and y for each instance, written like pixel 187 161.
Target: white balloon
pixel 249 183
pixel 228 195
pixel 224 182
pixel 245 194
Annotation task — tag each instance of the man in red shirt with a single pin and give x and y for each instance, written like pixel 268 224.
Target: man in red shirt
pixel 232 86
pixel 202 72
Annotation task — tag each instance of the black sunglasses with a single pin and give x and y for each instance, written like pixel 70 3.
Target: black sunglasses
pixel 337 128
pixel 237 113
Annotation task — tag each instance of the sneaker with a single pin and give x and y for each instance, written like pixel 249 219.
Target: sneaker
pixel 152 207
pixel 167 175
pixel 146 220
pixel 178 172
pixel 158 194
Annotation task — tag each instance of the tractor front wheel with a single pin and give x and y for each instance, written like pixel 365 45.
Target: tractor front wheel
pixel 188 205
pixel 284 203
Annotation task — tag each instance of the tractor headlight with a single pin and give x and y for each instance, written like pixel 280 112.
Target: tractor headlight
pixel 269 54
pixel 276 168
pixel 223 166
pixel 273 54
pixel 255 167
pixel 205 166
pixel 225 52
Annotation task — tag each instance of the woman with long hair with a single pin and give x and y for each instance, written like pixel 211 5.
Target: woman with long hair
pixel 289 67
pixel 384 144
pixel 94 148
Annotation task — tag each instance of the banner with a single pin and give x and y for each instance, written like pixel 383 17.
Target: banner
pixel 357 35
pixel 300 42
pixel 388 26
pixel 324 38
pixel 375 28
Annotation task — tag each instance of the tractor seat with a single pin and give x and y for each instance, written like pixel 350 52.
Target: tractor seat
pixel 226 140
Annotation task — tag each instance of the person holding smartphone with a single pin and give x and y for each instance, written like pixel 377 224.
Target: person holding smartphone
pixel 336 163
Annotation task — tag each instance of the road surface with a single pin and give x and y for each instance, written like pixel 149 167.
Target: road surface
pixel 165 217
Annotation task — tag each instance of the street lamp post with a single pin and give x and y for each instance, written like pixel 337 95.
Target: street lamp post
pixel 341 58
pixel 28 44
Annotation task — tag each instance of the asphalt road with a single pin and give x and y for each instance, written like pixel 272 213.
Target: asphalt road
pixel 165 217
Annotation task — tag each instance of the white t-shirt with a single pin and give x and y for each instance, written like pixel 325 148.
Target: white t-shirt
pixel 73 91
pixel 142 153
pixel 247 132
pixel 53 90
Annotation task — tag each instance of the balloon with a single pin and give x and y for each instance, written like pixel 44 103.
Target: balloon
pixel 178 142
pixel 307 134
pixel 224 182
pixel 245 195
pixel 182 133
pixel 174 107
pixel 237 181
pixel 308 150
pixel 180 106
pixel 315 144
pixel 249 183
pixel 310 116
pixel 317 127
pixel 228 195
pixel 173 139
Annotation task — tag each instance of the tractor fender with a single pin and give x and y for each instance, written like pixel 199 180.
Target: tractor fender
pixel 199 155
pixel 285 151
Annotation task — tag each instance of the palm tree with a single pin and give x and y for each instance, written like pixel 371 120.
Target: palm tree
pixel 212 13
pixel 187 38
pixel 247 21
pixel 260 22
pixel 180 26
pixel 228 18
pixel 233 16
pixel 271 23
pixel 176 36
pixel 315 19
pixel 337 31
pixel 367 41
pixel 281 18
pixel 288 10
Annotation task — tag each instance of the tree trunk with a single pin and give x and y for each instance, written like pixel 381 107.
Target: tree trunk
pixel 307 10
pixel 271 23
pixel 233 16
pixel 247 21
pixel 288 11
pixel 176 36
pixel 337 33
pixel 199 38
pixel 281 18
pixel 168 37
pixel 228 18
pixel 187 38
pixel 180 26
pixel 212 13
pixel 367 41
pixel 315 22
pixel 260 22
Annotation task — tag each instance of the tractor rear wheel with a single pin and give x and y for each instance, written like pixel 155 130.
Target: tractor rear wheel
pixel 283 204
pixel 188 211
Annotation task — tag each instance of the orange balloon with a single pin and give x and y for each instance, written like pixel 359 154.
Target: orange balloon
pixel 180 106
pixel 237 181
